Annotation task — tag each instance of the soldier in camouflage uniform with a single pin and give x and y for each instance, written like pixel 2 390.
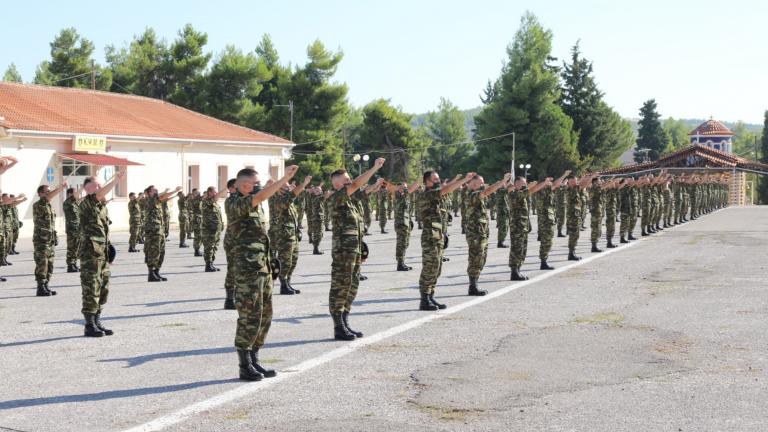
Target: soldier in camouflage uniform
pixel 624 203
pixel 433 235
pixel 10 224
pixel 596 210
pixel 502 217
pixel 252 268
pixel 15 221
pixel 44 237
pixel 72 222
pixel 546 217
pixel 5 241
pixel 183 220
pixel 519 225
pixel 347 248
pixel 212 225
pixel 142 215
pixel 196 220
pixel 95 272
pixel 669 203
pixel 403 222
pixel 301 207
pixel 611 198
pixel 154 231
pixel 229 280
pixel 166 218
pixel 286 233
pixel 315 215
pixel 479 230
pixel 560 204
pixel 134 221
pixel 574 211
pixel 381 210
pixel 327 213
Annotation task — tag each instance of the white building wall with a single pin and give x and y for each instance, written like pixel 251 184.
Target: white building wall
pixel 164 165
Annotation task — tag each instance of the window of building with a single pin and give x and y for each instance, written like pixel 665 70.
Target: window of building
pixel 274 172
pixel 223 177
pixel 193 177
pixel 74 168
pixel 121 188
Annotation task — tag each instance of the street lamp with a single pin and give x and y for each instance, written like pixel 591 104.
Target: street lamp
pixel 525 167
pixel 357 159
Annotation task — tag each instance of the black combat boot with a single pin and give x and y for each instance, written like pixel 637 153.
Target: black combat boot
pixel 284 288
pixel 97 323
pixel 501 245
pixel 91 330
pixel 516 276
pixel 339 331
pixel 153 276
pixel 383 231
pixel 623 240
pixel 288 281
pixel 425 304
pixel 643 233
pixel 48 289
pixel 197 252
pixel 573 257
pixel 422 227
pixel 42 291
pixel 2 279
pixel 162 278
pixel 183 245
pixel 362 277
pixel 432 300
pixel 560 232
pixel 402 267
pixel 210 268
pixel 463 231
pixel 229 301
pixel 595 249
pixel 610 244
pixel 659 228
pixel 14 251
pixel 268 373
pixel 345 321
pixel 545 266
pixel 317 251
pixel 71 268
pixel 473 291
pixel 132 249
pixel 5 262
pixel 446 259
pixel 247 371
pixel 631 237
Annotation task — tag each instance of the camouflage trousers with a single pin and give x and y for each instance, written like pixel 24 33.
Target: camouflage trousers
pixel 574 231
pixel 94 279
pixel 327 219
pixel 345 279
pixel 595 226
pixel 43 255
pixel 167 225
pixel 197 230
pixel 73 247
pixel 141 231
pixel 403 238
pixel 15 237
pixel 560 217
pixel 624 225
pixel 300 217
pixel 431 258
pixel 210 244
pixel 477 254
pixel 632 222
pixel 134 231
pixel 610 226
pixel 518 247
pixel 183 229
pixel 382 220
pixel 546 232
pixel 229 279
pixel 287 246
pixel 4 244
pixel 315 227
pixel 366 218
pixel 253 300
pixel 669 211
pixel 154 249
pixel 502 225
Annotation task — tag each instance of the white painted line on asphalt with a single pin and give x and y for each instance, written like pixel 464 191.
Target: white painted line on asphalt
pixel 244 390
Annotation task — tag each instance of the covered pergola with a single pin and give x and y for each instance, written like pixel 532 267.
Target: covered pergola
pixel 699 159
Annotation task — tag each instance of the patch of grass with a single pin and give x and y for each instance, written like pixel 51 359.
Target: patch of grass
pixel 450 414
pixel 392 289
pixel 270 360
pixel 610 318
pixel 237 415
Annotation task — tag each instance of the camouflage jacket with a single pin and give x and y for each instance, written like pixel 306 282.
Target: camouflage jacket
pixel 477 215
pixel 546 200
pixel 502 204
pixel 402 210
pixel 573 204
pixel 183 212
pixel 430 209
pixel 347 222
pixel 315 210
pixel 519 212
pixel 286 214
pixel 211 216
pixel 134 211
pixel 71 215
pixel 95 227
pixel 611 196
pixel 44 220
pixel 247 229
pixel 153 221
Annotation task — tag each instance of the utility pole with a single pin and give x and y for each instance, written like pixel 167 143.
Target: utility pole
pixel 93 75
pixel 512 170
pixel 290 109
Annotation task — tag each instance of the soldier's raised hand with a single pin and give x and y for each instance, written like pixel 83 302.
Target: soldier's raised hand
pixel 307 179
pixel 379 162
pixel 291 170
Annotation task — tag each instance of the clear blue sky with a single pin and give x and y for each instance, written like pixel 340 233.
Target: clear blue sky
pixel 697 59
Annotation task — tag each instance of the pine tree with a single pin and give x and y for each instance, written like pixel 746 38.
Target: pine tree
pixel 448 138
pixel 71 63
pixel 524 100
pixel 143 68
pixel 763 185
pixel 12 74
pixel 651 137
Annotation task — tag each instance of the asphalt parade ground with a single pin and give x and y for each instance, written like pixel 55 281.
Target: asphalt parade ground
pixel 668 333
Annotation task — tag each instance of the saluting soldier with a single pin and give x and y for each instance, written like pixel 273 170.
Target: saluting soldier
pixel 252 268
pixel 166 219
pixel 625 208
pixel 72 223
pixel 560 205
pixel 347 249
pixel 196 219
pixel 611 196
pixel 381 210
pixel 154 231
pixel 574 211
pixel 183 220
pixel 287 232
pixel 519 224
pixel 502 217
pixel 212 225
pixel 134 221
pixel 94 254
pixel 433 235
pixel 315 215
pixel 10 230
pixel 15 221
pixel 142 215
pixel 479 230
pixel 546 217
pixel 403 221
pixel 597 198
pixel 229 240
pixel 44 237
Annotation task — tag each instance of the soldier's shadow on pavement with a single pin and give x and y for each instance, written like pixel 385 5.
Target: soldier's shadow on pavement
pixel 163 303
pixel 37 341
pixel 111 394
pixel 123 317
pixel 140 360
pixel 394 300
pixel 300 319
